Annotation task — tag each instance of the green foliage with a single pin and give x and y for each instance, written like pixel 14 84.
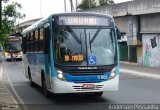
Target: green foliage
pixel 106 2
pixel 86 4
pixel 9 17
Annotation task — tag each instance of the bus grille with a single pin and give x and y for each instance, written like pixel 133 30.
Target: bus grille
pixel 80 88
pixel 84 74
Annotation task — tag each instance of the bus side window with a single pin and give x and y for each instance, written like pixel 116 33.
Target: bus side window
pixel 41 40
pixel 33 41
pixel 36 41
pixel 29 42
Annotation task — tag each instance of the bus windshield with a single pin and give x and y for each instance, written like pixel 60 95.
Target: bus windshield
pixel 13 46
pixel 84 46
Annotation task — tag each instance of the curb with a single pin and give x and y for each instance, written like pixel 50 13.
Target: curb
pixel 7 99
pixel 17 104
pixel 19 101
pixel 141 74
pixel 131 63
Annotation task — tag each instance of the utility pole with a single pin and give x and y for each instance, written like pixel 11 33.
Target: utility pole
pixel 41 8
pixel 89 3
pixel 76 5
pixel 72 7
pixel 65 5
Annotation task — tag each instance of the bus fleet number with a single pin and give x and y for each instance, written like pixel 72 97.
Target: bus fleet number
pixel 102 77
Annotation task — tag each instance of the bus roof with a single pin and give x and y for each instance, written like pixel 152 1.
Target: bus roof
pixel 46 19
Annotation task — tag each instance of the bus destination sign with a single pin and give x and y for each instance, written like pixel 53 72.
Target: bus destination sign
pixel 80 20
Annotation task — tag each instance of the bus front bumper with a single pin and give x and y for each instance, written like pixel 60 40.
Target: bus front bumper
pixel 59 86
pixel 16 57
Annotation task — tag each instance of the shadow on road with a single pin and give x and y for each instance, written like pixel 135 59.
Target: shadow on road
pixel 78 98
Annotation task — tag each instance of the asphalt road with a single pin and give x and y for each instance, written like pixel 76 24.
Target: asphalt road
pixel 132 90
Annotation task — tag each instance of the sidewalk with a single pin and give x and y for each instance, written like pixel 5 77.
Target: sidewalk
pixel 7 101
pixel 133 68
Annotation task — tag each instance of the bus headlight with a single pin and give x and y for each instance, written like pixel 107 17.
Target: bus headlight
pixel 113 73
pixel 20 53
pixel 60 74
pixel 6 53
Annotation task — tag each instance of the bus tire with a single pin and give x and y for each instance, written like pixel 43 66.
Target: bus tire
pixel 44 86
pixel 31 83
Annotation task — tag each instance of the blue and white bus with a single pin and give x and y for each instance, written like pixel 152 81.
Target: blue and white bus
pixel 72 53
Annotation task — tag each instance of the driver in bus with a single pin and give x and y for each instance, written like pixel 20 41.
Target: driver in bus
pixel 62 48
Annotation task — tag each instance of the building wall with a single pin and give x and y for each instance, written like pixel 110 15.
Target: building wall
pixel 151 50
pixel 121 23
pixel 26 24
pixel 150 23
pixel 135 7
pixel 140 55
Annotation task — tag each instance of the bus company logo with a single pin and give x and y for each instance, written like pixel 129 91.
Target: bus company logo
pixel 87 68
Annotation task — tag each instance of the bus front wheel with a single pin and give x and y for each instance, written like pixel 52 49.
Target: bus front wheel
pixel 44 87
pixel 30 78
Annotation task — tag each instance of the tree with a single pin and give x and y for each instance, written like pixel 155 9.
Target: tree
pixel 86 4
pixel 10 15
pixel 106 2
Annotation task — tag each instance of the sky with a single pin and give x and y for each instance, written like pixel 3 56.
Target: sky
pixel 40 8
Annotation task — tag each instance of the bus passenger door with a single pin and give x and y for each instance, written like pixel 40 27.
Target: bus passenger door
pixel 47 54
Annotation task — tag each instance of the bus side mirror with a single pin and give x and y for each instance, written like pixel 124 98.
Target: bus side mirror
pixel 47 25
pixel 118 33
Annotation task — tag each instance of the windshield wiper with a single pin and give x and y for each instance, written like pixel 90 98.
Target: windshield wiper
pixel 95 35
pixel 90 43
pixel 81 43
pixel 74 35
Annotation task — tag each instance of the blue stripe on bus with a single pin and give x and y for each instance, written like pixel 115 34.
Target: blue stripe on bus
pixel 86 79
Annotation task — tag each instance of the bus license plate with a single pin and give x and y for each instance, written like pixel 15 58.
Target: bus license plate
pixel 88 86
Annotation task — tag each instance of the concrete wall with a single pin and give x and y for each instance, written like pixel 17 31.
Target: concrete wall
pixel 150 23
pixel 121 23
pixel 136 7
pixel 147 10
pixel 139 55
pixel 151 50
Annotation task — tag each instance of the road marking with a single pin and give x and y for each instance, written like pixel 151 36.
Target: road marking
pixel 3 93
pixel 142 74
pixel 15 92
pixel 2 88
